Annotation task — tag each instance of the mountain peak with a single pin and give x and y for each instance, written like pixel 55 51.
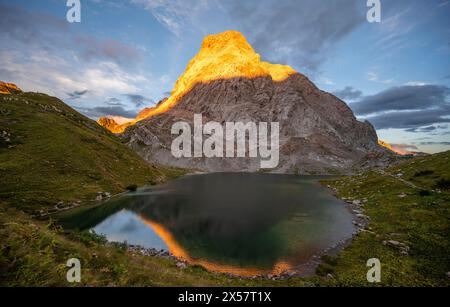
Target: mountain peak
pixel 227 39
pixel 229 55
pixel 9 88
pixel 222 56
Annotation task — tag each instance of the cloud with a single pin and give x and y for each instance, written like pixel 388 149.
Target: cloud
pixel 87 84
pixel 107 49
pixel 416 83
pixel 394 29
pixel 47 32
pixel 422 129
pixel 114 102
pixel 427 128
pixel 138 100
pixel 404 147
pixel 326 81
pixel 348 93
pixel 434 143
pixel 116 111
pixel 176 15
pixel 108 76
pixel 300 33
pixel 38 42
pixel 415 108
pixel 373 76
pixel 30 28
pixel 404 98
pixel 100 111
pixel 76 94
pixel 409 119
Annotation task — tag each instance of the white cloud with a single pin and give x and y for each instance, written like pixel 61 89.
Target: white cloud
pixel 101 80
pixel 107 77
pixel 373 76
pixel 416 83
pixel 176 15
pixel 326 81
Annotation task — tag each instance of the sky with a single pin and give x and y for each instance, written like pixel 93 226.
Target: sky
pixel 126 55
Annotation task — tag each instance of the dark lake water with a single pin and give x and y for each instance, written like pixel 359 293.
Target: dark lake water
pixel 246 224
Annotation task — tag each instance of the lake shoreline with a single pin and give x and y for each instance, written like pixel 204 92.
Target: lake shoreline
pixel 306 269
pixel 303 270
pixel 360 222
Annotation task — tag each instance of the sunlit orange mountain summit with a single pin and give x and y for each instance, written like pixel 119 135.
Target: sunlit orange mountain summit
pixel 225 55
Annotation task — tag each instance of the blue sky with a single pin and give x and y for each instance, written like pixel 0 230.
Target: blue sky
pixel 127 54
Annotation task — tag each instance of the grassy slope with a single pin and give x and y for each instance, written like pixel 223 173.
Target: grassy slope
pixel 34 254
pixel 399 212
pixel 59 155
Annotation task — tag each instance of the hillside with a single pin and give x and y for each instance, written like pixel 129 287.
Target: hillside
pixel 409 230
pixel 52 155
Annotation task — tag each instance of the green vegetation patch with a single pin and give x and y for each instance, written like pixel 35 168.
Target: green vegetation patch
pixel 408 208
pixel 52 155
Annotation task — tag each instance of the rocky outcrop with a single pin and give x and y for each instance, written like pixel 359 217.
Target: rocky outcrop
pixel 109 124
pixel 9 88
pixel 227 82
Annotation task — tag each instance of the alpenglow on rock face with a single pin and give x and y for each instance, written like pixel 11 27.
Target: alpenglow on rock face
pixel 9 88
pixel 227 82
pixel 109 124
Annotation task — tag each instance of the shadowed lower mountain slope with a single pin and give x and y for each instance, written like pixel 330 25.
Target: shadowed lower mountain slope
pixel 318 133
pixel 50 154
pixel 227 82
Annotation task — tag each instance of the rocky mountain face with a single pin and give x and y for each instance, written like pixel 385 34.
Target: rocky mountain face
pixel 109 124
pixel 227 82
pixel 9 88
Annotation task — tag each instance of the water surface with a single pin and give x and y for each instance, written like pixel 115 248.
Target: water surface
pixel 245 224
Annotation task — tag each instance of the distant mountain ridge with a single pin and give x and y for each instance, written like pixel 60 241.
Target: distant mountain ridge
pixel 227 82
pixel 109 124
pixel 401 151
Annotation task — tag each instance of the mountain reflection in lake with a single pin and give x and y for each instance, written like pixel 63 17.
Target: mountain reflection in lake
pixel 245 224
